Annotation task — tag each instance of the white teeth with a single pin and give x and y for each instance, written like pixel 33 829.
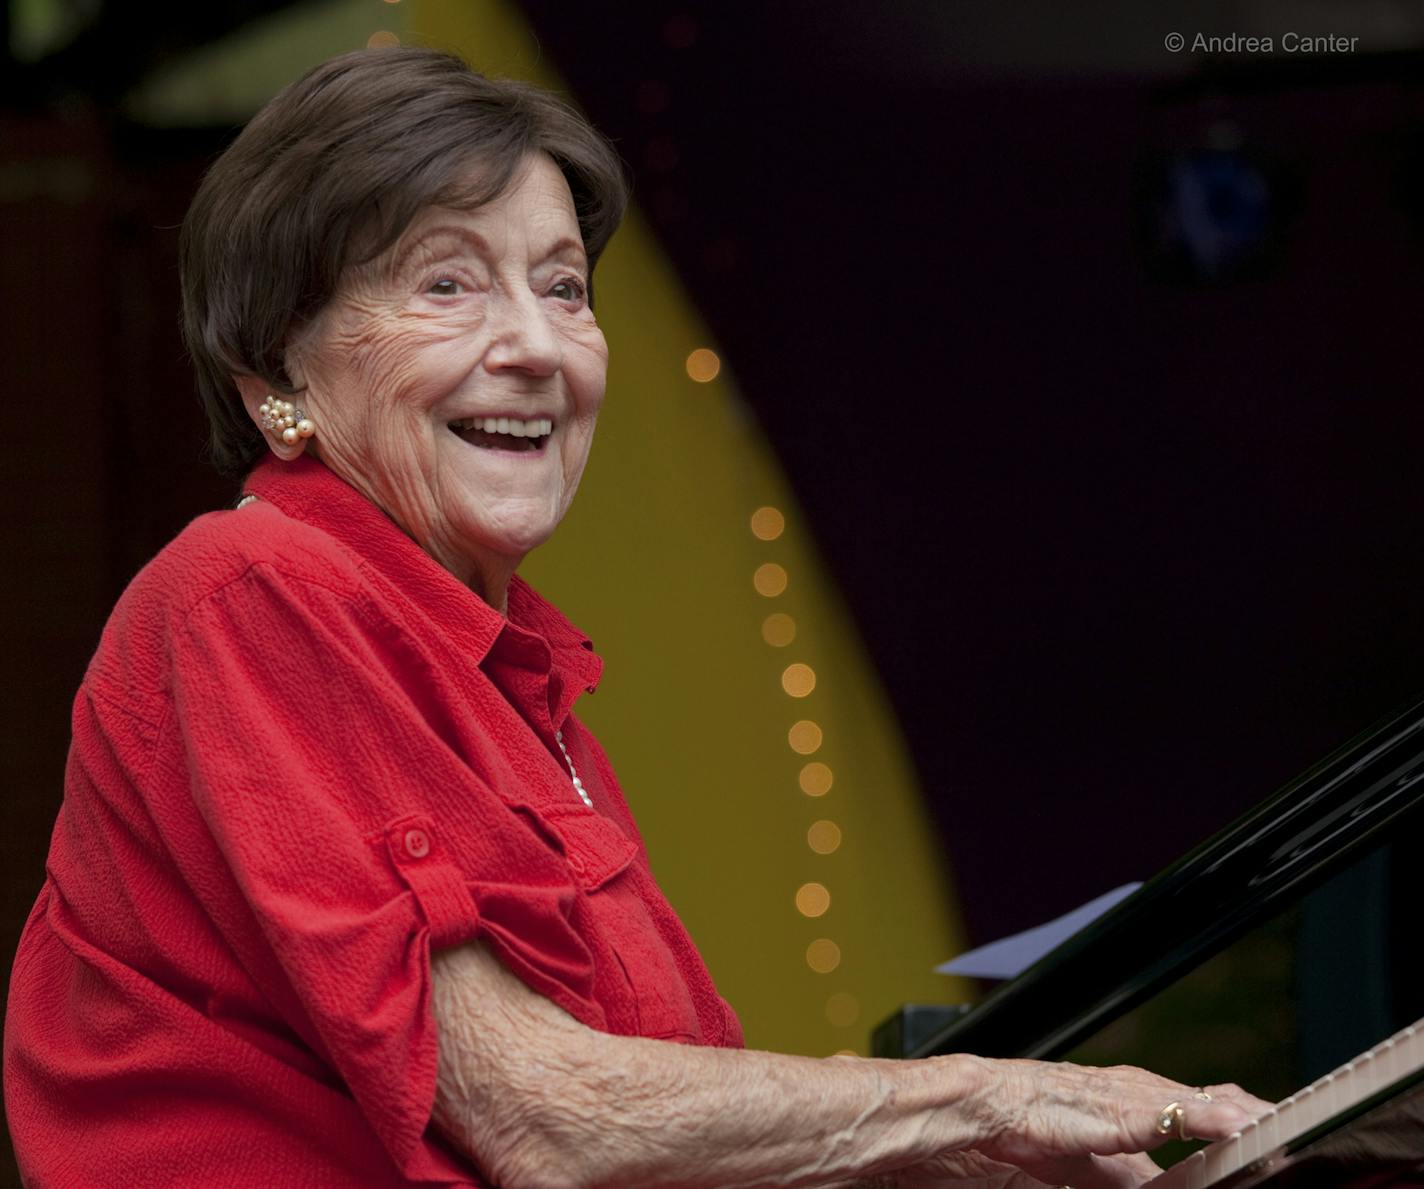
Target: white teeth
pixel 534 427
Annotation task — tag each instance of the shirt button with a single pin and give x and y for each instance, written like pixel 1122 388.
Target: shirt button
pixel 417 844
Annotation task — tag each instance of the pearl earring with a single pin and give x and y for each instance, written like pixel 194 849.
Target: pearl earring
pixel 285 420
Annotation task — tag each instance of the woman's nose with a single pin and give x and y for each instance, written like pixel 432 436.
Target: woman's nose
pixel 522 337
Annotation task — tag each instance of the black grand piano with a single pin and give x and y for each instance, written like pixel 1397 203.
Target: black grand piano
pixel 1282 954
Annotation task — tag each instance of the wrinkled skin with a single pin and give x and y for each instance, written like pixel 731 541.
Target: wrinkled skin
pixel 536 1098
pixel 483 313
pixel 469 313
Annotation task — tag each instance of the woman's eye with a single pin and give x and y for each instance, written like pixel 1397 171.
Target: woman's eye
pixel 445 287
pixel 574 286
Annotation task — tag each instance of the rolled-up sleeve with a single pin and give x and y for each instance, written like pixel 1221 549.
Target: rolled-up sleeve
pixel 328 795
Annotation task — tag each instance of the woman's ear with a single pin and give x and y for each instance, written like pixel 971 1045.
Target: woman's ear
pixel 271 413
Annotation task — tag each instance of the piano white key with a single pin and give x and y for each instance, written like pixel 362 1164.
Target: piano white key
pixel 1399 1062
pixel 1377 1069
pixel 1266 1128
pixel 1387 1062
pixel 1365 1079
pixel 1285 1112
pixel 1344 1080
pixel 1249 1145
pixel 1401 1055
pixel 1407 1046
pixel 1327 1099
pixel 1219 1160
pixel 1185 1174
pixel 1322 1101
pixel 1410 1046
pixel 1191 1174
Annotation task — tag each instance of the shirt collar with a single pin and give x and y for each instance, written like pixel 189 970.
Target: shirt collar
pixel 535 634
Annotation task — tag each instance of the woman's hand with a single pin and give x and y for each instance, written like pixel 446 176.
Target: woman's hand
pixel 1070 1124
pixel 973 1170
pixel 533 1097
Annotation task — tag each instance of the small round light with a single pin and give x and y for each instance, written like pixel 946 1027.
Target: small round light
pixel 382 39
pixel 778 629
pixel 703 365
pixel 824 837
pixel 660 154
pixel 805 737
pixel 815 779
pixel 798 680
pixel 845 1053
pixel 769 579
pixel 652 96
pixel 768 524
pixel 812 899
pixel 823 955
pixel 842 1009
pixel 680 31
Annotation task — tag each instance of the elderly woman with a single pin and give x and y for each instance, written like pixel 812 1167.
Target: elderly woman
pixel 342 893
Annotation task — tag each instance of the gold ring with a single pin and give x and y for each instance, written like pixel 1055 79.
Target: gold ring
pixel 1202 1095
pixel 1171 1117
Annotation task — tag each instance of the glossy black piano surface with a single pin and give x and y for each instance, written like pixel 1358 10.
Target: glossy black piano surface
pixel 1323 872
pixel 1277 950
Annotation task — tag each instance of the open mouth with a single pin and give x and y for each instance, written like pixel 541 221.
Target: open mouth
pixel 505 433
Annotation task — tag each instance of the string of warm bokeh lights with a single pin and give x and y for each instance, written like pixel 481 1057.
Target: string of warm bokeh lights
pixel 805 737
pixel 787 607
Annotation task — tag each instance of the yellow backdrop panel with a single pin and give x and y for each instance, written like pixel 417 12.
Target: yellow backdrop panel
pixel 801 860
pixel 660 562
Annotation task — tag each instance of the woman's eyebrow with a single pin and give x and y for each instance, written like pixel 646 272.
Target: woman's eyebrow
pixel 566 245
pixel 440 231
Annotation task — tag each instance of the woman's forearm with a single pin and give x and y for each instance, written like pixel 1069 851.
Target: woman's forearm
pixel 538 1100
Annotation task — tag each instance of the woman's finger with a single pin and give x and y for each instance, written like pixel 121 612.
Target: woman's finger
pixel 974 1170
pixel 1046 1109
pixel 1233 1093
pixel 1225 1092
pixel 1206 1113
pixel 968 1170
pixel 1096 1172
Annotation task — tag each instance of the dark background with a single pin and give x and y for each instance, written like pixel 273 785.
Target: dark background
pixel 1131 539
pixel 1130 547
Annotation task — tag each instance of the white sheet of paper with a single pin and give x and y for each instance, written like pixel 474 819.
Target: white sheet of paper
pixel 1011 956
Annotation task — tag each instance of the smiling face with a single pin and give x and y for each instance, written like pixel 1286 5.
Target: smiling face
pixel 456 379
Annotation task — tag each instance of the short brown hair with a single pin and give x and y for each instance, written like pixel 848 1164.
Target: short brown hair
pixel 328 174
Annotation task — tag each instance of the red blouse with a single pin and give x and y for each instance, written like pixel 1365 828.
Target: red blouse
pixel 304 755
